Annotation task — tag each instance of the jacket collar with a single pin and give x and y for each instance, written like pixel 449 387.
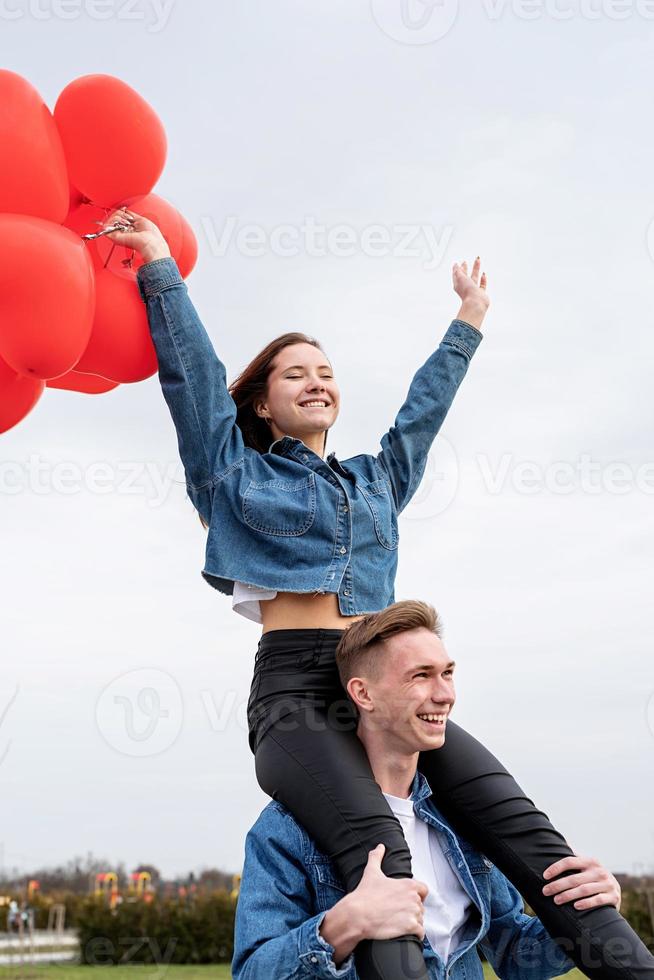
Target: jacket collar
pixel 284 443
pixel 420 788
pixel 289 445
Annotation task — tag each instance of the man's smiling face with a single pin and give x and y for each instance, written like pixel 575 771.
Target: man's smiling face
pixel 414 693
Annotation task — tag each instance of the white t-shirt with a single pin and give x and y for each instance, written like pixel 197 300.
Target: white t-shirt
pixel 246 598
pixel 447 905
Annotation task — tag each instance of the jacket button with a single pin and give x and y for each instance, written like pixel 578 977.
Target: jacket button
pixel 304 456
pixel 346 591
pixel 343 550
pixel 345 509
pixel 314 959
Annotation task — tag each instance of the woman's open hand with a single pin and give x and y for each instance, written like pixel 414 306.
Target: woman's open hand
pixel 142 235
pixel 472 290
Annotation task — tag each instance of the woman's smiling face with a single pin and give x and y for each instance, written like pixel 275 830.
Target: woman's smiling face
pixel 302 397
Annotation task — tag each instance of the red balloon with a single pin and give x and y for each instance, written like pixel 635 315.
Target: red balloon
pixel 90 384
pixel 18 396
pixel 188 254
pixel 120 347
pixel 173 225
pixel 46 296
pixel 33 178
pixel 75 197
pixel 114 142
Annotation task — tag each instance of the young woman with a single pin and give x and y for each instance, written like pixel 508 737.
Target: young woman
pixel 306 544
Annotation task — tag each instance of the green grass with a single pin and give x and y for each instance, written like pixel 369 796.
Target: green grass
pixel 135 972
pixel 212 972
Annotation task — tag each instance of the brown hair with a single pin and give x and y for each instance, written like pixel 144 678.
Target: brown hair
pixel 362 645
pixel 251 384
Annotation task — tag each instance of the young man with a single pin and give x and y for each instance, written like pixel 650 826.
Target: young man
pixel 294 918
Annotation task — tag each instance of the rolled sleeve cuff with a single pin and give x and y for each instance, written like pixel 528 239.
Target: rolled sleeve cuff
pixel 157 275
pixel 463 336
pixel 316 953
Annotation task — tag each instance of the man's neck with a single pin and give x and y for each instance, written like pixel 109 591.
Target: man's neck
pixel 393 768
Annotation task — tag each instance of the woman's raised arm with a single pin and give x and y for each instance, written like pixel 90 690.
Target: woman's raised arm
pixel 406 445
pixel 192 376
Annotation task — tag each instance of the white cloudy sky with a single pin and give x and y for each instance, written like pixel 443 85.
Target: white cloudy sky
pixel 523 138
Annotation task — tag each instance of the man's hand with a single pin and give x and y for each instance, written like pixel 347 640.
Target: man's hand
pixel 378 908
pixel 591 887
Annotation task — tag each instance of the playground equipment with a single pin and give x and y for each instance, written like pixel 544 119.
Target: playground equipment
pixel 106 884
pixel 140 886
pixel 56 917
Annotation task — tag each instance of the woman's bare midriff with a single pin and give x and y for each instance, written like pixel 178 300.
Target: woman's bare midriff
pixel 296 610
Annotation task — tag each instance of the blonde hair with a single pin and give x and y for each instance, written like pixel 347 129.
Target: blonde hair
pixel 361 647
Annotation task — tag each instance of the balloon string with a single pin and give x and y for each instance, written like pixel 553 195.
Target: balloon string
pixel 113 246
pixel 126 262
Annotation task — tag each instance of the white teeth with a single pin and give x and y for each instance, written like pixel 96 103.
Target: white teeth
pixel 432 717
pixel 320 404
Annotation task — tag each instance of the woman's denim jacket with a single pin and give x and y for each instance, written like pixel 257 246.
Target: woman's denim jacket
pixel 288 885
pixel 288 519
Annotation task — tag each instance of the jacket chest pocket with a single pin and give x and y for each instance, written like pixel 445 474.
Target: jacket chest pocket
pixel 282 507
pixel 329 888
pixel 383 511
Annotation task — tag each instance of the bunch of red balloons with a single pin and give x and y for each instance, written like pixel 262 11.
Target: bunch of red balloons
pixel 71 315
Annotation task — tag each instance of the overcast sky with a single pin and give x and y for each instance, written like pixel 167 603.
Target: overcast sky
pixel 517 132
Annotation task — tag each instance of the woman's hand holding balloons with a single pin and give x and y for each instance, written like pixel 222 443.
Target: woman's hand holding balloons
pixel 141 234
pixel 71 315
pixel 472 290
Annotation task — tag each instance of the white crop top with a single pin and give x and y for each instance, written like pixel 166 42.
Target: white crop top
pixel 246 598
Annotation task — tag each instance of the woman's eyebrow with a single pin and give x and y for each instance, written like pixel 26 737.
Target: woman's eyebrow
pixel 295 367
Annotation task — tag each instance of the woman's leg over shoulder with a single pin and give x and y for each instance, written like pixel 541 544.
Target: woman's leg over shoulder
pixel 486 805
pixel 322 775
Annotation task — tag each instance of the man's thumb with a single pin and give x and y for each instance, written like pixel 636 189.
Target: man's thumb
pixel 375 856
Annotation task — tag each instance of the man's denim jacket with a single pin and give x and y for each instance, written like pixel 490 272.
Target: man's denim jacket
pixel 288 885
pixel 287 519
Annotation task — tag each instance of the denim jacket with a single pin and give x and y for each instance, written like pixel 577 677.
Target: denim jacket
pixel 288 885
pixel 287 519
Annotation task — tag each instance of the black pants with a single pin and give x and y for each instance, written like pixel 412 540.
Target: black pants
pixel 307 755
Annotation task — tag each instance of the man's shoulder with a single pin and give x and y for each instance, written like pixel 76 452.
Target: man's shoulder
pixel 277 823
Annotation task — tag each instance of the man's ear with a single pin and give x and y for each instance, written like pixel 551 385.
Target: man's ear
pixel 357 688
